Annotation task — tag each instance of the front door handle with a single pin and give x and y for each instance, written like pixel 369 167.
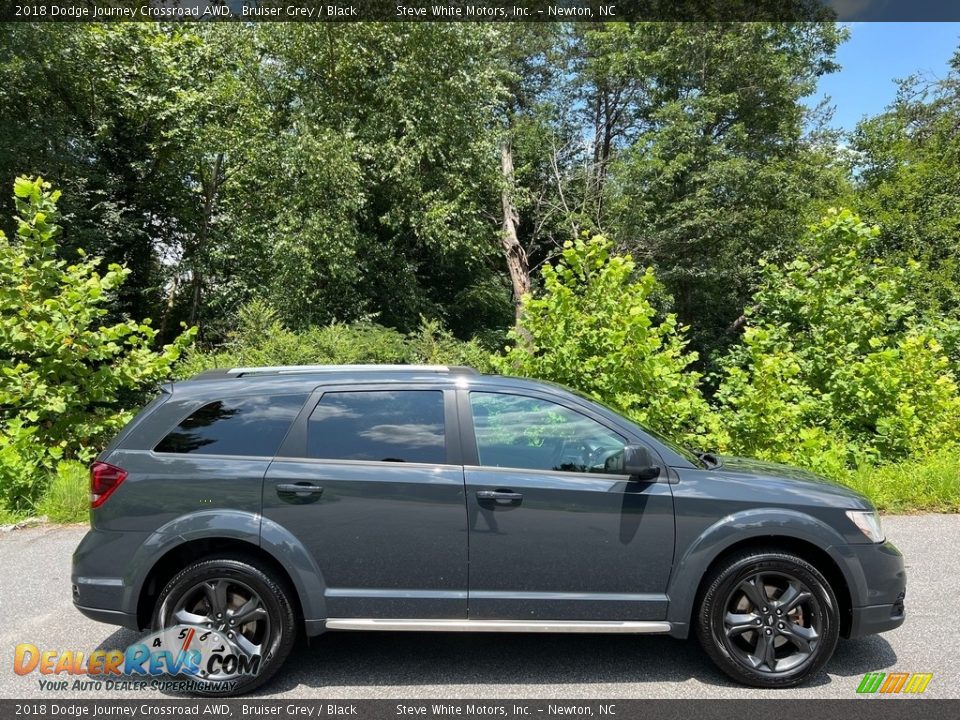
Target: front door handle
pixel 299 492
pixel 500 497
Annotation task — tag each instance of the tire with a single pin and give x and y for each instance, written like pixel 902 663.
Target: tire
pixel 768 618
pixel 227 584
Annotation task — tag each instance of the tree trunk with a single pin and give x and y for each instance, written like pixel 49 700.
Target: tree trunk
pixel 211 184
pixel 168 305
pixel 517 263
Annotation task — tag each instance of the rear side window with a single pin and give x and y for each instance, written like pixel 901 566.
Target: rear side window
pixel 237 426
pixel 395 425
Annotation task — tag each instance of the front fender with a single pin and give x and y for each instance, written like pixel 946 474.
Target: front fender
pixel 245 527
pixel 693 564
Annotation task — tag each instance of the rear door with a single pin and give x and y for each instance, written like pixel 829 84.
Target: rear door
pixel 370 481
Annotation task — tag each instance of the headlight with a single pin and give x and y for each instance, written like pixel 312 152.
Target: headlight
pixel 869 523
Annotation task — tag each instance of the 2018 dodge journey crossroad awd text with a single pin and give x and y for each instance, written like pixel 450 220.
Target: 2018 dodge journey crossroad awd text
pixel 261 503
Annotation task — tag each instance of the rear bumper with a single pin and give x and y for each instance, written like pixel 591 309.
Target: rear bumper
pixel 102 589
pixel 111 617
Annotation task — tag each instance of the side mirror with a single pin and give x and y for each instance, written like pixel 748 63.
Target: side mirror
pixel 638 463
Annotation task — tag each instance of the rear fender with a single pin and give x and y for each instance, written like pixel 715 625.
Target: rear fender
pixel 243 527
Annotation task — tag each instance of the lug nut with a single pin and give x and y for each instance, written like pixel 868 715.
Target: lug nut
pixel 779 612
pixel 780 625
pixel 769 631
pixel 758 621
pixel 219 615
pixel 764 610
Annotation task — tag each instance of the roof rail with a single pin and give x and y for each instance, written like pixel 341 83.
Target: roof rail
pixel 304 369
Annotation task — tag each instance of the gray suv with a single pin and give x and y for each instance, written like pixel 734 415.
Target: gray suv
pixel 262 503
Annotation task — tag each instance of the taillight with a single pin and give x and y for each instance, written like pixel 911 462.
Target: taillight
pixel 104 479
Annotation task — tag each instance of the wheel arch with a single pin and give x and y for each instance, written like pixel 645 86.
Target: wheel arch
pixel 209 533
pixel 191 551
pixel 788 530
pixel 816 556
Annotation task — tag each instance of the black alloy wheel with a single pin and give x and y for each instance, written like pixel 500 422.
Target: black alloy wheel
pixel 769 619
pixel 241 605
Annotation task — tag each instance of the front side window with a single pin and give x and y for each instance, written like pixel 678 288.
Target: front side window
pixel 251 426
pixel 525 432
pixel 392 426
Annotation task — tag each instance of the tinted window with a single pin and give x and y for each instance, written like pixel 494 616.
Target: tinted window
pixel 237 426
pixel 399 426
pixel 524 432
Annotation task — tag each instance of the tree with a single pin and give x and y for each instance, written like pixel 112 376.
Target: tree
pixel 705 166
pixel 66 375
pixel 907 163
pixel 103 112
pixel 595 328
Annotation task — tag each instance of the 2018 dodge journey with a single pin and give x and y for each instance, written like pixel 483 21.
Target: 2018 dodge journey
pixel 260 503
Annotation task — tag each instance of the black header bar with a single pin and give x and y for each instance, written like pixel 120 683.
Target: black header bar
pixel 148 705
pixel 477 11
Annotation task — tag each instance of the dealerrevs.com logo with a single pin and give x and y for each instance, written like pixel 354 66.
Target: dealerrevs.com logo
pixel 207 658
pixel 894 683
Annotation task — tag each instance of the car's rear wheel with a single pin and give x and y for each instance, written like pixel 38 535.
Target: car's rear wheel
pixel 768 618
pixel 246 613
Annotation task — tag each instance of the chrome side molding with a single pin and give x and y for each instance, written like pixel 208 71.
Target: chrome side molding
pixel 546 626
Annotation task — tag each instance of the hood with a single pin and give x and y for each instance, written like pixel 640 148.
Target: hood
pixel 797 478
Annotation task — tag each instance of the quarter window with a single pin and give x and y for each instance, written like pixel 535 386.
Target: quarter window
pixel 525 432
pixel 394 426
pixel 252 426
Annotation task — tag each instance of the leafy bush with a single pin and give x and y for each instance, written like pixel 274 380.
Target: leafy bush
pixel 594 328
pixel 835 370
pixel 64 376
pixel 260 338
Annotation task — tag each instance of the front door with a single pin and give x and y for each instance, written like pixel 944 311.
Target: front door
pixel 555 532
pixel 370 483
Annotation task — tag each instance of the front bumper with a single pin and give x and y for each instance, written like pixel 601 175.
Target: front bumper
pixel 877 602
pixel 876 619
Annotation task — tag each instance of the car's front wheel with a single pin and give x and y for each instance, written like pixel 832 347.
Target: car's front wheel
pixel 768 618
pixel 237 615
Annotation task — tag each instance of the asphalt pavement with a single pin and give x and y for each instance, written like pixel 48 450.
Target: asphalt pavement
pixel 35 607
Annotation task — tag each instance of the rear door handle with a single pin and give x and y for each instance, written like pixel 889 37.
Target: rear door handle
pixel 500 497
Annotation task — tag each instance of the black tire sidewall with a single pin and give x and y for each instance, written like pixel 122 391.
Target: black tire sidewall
pixel 275 601
pixel 712 611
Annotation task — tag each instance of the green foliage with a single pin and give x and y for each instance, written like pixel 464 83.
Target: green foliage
pixel 67 498
pixel 711 167
pixel 342 188
pixel 260 338
pixel 929 483
pixel 835 368
pixel 907 163
pixel 595 328
pixel 64 373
